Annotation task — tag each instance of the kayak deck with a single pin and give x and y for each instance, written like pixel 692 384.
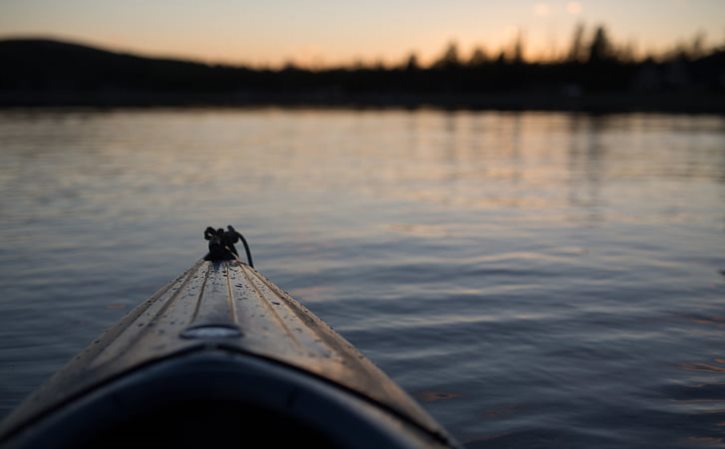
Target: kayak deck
pixel 225 307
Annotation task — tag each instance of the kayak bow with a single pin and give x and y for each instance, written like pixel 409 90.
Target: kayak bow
pixel 221 357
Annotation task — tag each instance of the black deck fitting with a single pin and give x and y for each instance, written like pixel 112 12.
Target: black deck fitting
pixel 221 244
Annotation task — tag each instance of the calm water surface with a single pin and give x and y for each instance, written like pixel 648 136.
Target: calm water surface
pixel 535 280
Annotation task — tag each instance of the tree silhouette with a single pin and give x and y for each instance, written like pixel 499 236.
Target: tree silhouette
pixel 450 58
pixel 518 52
pixel 478 57
pixel 697 46
pixel 412 62
pixel 600 50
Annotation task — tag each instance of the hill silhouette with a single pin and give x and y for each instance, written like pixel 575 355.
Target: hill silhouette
pixel 42 72
pixel 47 65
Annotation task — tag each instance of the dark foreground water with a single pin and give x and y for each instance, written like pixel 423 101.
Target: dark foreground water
pixel 535 280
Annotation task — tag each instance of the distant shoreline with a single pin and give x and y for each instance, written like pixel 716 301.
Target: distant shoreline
pixel 44 73
pixel 593 103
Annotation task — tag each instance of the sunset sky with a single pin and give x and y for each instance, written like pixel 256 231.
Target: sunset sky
pixel 325 32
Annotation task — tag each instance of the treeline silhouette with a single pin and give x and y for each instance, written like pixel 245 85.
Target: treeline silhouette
pixel 594 74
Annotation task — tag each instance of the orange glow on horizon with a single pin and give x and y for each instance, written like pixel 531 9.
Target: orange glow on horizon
pixel 325 33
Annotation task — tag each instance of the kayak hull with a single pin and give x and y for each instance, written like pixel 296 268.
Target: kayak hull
pixel 222 355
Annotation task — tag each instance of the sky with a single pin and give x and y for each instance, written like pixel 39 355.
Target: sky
pixel 328 32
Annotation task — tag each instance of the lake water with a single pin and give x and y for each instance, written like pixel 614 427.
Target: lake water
pixel 535 280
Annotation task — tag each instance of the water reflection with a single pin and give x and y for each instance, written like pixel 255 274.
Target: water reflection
pixel 586 157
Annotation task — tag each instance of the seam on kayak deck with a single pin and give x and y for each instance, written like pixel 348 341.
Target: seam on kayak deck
pixel 173 300
pixel 99 358
pixel 201 294
pixel 270 309
pixel 230 294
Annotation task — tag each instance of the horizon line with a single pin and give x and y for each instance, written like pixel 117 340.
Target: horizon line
pixel 504 50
